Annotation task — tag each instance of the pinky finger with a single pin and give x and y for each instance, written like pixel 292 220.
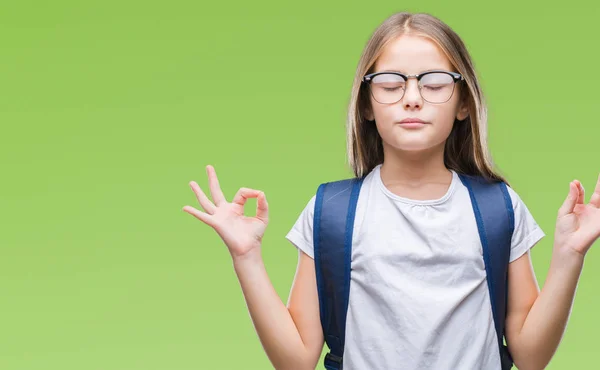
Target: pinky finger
pixel 202 216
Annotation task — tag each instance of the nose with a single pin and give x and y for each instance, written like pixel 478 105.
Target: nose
pixel 412 96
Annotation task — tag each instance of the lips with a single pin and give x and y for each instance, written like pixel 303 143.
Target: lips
pixel 412 120
pixel 412 123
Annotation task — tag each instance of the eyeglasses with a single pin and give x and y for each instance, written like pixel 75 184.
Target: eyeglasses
pixel 435 86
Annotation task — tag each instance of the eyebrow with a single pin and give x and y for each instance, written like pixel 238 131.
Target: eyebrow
pixel 423 71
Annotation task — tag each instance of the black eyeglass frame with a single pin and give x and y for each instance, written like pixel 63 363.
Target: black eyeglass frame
pixel 456 77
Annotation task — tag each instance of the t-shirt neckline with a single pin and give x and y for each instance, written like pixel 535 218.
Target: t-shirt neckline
pixel 396 197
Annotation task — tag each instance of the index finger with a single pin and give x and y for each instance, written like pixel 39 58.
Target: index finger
pixel 213 183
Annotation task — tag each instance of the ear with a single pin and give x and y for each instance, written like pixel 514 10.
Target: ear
pixel 463 111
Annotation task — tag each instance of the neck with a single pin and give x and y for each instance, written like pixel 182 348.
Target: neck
pixel 414 168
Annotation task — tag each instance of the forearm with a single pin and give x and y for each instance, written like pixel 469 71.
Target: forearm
pixel 274 325
pixel 545 324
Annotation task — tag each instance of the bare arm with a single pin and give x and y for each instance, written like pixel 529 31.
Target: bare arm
pixel 291 336
pixel 536 320
pixel 303 305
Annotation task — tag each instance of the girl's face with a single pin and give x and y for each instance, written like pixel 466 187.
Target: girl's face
pixel 411 55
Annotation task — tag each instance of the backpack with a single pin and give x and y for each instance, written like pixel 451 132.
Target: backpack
pixel 335 207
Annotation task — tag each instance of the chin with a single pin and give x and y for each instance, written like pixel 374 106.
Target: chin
pixel 414 148
pixel 414 145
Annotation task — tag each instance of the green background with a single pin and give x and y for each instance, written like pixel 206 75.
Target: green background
pixel 109 109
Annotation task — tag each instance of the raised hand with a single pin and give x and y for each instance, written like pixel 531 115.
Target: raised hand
pixel 240 233
pixel 578 224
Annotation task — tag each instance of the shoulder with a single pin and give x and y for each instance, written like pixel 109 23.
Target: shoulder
pixel 515 198
pixel 527 232
pixel 342 183
pixel 471 180
pixel 309 207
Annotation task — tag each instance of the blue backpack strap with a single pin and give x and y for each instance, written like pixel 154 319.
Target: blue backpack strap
pixel 495 221
pixel 335 207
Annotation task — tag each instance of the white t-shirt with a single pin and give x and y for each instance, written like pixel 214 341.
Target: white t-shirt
pixel 418 293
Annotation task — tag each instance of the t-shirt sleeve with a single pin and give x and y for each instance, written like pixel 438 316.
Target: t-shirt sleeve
pixel 301 234
pixel 527 232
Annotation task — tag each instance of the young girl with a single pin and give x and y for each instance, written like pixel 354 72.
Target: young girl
pixel 418 293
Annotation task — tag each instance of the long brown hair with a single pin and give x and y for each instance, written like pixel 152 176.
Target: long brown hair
pixel 466 149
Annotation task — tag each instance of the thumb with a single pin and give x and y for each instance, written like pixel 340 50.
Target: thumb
pixel 569 203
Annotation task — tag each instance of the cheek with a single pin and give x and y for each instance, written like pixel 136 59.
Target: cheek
pixel 446 118
pixel 383 113
pixel 445 114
